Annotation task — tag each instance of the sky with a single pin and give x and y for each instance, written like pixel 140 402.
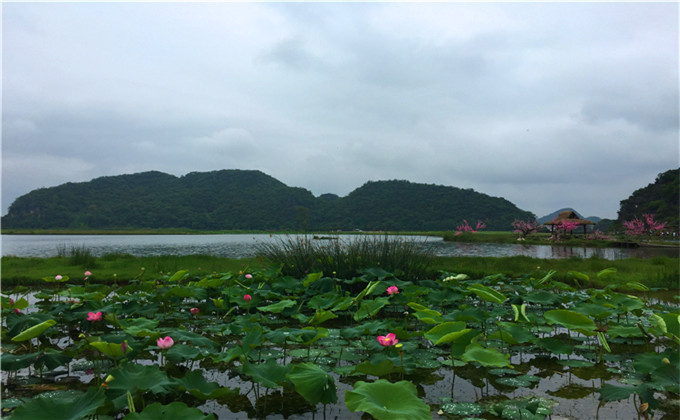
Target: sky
pixel 548 105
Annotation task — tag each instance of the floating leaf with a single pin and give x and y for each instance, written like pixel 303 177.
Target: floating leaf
pixel 313 383
pixel 485 356
pixel 277 307
pixel 437 334
pixel 462 408
pixel 270 374
pixel 67 405
pixel 385 400
pixel 570 319
pixel 173 411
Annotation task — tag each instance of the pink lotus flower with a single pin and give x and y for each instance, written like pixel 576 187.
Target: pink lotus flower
pixel 87 274
pixel 392 290
pixel 94 317
pixel 16 311
pixel 58 277
pixel 388 340
pixel 247 298
pixel 165 343
pixel 249 276
pixel 194 311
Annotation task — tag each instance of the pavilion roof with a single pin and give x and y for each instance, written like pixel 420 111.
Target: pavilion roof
pixel 568 215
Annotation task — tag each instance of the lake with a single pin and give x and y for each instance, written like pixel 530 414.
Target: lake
pixel 244 246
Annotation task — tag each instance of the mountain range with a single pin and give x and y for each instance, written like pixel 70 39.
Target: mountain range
pixel 251 200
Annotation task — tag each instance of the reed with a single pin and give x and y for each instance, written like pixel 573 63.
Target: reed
pixel 345 258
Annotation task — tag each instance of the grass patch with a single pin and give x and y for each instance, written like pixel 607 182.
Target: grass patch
pixel 654 272
pixel 346 257
pixel 660 272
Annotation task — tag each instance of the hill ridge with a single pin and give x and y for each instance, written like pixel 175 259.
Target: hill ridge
pixel 251 199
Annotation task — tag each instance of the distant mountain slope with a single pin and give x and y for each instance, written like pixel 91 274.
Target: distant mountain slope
pixel 239 199
pixel 660 198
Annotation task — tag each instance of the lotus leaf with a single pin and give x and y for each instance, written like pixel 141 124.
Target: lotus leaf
pixel 485 356
pixel 277 307
pixel 34 331
pixel 488 294
pixel 387 401
pixel 172 411
pixel 313 383
pixel 66 405
pixel 570 319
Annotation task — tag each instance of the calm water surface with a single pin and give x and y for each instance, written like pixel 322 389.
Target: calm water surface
pixel 244 246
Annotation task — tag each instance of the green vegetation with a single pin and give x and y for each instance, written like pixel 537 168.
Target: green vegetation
pixel 249 200
pixel 346 257
pixel 281 345
pixel 654 272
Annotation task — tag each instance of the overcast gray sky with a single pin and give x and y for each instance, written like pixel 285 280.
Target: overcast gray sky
pixel 548 105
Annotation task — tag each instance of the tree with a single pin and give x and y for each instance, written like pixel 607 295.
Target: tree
pixel 525 228
pixel 637 227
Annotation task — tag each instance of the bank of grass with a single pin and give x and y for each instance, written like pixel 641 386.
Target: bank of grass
pixel 117 267
pixel 657 272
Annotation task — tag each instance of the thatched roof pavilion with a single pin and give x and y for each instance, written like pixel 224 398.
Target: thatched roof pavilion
pixel 570 216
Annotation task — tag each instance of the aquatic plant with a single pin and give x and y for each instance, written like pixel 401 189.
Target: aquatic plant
pixel 287 348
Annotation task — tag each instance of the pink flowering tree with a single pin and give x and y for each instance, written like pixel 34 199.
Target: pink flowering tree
pixel 564 228
pixel 525 228
pixel 465 227
pixel 647 225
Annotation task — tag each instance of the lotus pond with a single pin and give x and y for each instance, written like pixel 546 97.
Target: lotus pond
pixel 259 344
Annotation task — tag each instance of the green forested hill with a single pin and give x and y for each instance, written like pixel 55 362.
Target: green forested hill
pixel 240 199
pixel 660 198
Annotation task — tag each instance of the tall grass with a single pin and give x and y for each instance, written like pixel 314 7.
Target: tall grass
pixel 346 257
pixel 77 255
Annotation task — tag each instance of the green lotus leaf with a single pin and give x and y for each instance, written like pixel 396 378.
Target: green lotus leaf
pixel 270 374
pixel 311 278
pixel 321 316
pixel 570 319
pixel 576 363
pixel 132 377
pixel 194 383
pixel 180 352
pixel 385 400
pixel 381 369
pixel 437 334
pixel 277 307
pixel 177 276
pixel 485 356
pixel 488 294
pixel 519 381
pixel 34 331
pixel 52 359
pixel 11 362
pixel 370 308
pixel 611 392
pixel 66 405
pixel 139 327
pixel 173 411
pixel 110 349
pixel 462 408
pixel 313 383
pixel 555 345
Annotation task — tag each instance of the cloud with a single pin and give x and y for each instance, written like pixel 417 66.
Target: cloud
pixel 540 103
